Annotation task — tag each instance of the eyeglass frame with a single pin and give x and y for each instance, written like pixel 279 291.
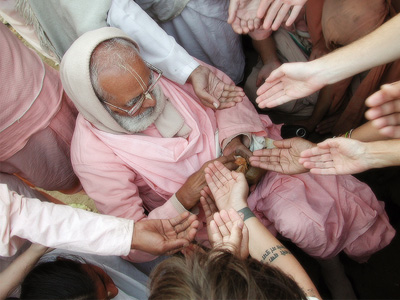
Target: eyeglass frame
pixel 143 95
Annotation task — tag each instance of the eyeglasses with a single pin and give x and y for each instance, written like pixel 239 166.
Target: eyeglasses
pixel 138 101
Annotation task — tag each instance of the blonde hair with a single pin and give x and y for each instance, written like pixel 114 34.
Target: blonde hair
pixel 220 275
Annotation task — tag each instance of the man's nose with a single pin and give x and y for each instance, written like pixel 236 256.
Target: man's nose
pixel 148 101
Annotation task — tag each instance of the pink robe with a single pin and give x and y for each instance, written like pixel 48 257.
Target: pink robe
pixel 37 119
pixel 126 174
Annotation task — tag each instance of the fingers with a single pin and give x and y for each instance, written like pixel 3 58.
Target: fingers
pixel 313 151
pixel 216 236
pixel 273 95
pixel 172 246
pixel 222 220
pixel 208 100
pixel 390 131
pixel 263 7
pixel 232 10
pixel 184 222
pixel 293 15
pixel 282 13
pixel 208 205
pixel 384 109
pixel 236 26
pixel 388 92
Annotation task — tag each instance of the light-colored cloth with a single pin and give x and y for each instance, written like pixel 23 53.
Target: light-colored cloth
pixel 131 283
pixel 9 13
pixel 156 46
pixel 37 119
pixel 202 29
pixel 128 173
pixel 13 208
pixel 59 226
pixel 64 21
pixel 161 10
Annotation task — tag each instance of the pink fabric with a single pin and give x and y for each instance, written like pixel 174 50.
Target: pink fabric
pixel 36 112
pixel 59 226
pixel 124 173
pixel 31 93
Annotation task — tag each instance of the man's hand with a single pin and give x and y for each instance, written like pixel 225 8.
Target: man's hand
pixel 164 236
pixel 385 110
pixel 212 91
pixel 289 82
pixel 284 158
pixel 229 232
pixel 336 156
pixel 274 12
pixel 229 188
pixel 243 15
pixel 189 194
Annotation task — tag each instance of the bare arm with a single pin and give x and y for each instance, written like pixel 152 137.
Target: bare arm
pixel 230 191
pixel 15 273
pixel 349 156
pixel 296 80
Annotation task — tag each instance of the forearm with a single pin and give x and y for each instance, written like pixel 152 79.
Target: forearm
pixel 266 248
pixel 366 133
pixel 266 49
pixel 374 49
pixel 382 154
pixel 61 226
pixel 15 273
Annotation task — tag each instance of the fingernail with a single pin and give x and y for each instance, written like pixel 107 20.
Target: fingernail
pixel 216 104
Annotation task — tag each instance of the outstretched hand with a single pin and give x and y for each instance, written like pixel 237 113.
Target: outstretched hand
pixel 385 110
pixel 164 236
pixel 243 15
pixel 189 193
pixel 289 82
pixel 212 91
pixel 284 158
pixel 229 232
pixel 229 188
pixel 274 12
pixel 336 156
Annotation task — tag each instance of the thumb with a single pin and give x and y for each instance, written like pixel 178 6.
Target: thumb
pixel 207 99
pixel 233 7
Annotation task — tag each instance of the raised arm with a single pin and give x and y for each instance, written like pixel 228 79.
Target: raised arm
pixel 15 273
pixel 230 191
pixel 296 80
pixel 349 156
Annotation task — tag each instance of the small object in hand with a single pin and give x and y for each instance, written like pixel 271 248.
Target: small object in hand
pixel 252 174
pixel 242 163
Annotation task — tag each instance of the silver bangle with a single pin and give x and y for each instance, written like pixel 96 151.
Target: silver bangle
pixel 247 213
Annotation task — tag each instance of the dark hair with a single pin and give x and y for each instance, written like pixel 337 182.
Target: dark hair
pixel 60 279
pixel 220 275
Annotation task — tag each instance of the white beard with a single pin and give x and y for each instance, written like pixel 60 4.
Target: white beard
pixel 135 124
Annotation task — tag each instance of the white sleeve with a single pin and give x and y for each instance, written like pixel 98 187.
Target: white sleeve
pixel 156 46
pixel 59 226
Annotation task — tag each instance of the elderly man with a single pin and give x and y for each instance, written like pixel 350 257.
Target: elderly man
pixel 57 23
pixel 141 143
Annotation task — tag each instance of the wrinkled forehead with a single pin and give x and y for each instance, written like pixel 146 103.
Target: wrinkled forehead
pixel 120 57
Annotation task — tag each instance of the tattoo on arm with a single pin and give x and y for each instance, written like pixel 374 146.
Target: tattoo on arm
pixel 274 253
